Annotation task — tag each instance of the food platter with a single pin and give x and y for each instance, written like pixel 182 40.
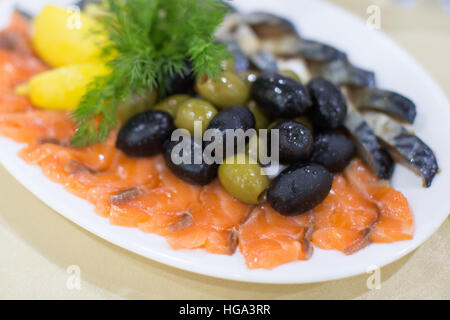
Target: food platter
pixel 370 49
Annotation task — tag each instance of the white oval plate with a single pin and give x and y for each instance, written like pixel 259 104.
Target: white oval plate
pixel 395 69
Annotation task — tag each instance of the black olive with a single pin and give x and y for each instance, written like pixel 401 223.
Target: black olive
pixel 329 106
pixel 182 83
pixel 299 188
pixel 333 150
pixel 280 96
pixel 200 173
pixel 232 118
pixel 295 141
pixel 143 134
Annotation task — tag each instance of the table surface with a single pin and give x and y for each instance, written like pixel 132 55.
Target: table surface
pixel 38 246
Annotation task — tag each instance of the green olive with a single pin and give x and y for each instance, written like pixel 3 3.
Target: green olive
pixel 227 65
pixel 248 76
pixel 194 110
pixel 242 179
pixel 261 121
pixel 291 74
pixel 228 90
pixel 137 103
pixel 273 124
pixel 171 104
pixel 256 146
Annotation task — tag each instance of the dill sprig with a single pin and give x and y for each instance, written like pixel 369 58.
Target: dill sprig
pixel 151 41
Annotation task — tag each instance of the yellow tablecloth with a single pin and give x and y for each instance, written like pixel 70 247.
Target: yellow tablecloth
pixel 37 245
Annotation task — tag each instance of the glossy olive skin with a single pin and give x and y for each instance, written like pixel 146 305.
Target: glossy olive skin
pixel 244 180
pixel 136 104
pixel 329 106
pixel 192 110
pixel 199 174
pixel 299 188
pixel 333 150
pixel 291 74
pixel 228 90
pixel 261 120
pixel 171 104
pixel 235 117
pixel 182 83
pixel 255 147
pixel 280 96
pixel 143 134
pixel 295 141
pixel 249 76
pixel 227 65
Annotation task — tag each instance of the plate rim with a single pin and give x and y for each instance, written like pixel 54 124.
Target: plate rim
pixel 253 276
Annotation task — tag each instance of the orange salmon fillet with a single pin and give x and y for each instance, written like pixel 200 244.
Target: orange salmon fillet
pixel 343 218
pixel 396 220
pixel 267 239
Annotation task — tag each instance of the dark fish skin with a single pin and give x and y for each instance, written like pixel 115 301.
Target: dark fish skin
pixel 273 25
pixel 241 62
pixel 389 102
pixel 342 72
pixel 333 64
pixel 370 149
pixel 319 52
pixel 404 147
pixel 235 35
pixel 360 77
pixel 264 61
pixel 421 158
pixel 284 39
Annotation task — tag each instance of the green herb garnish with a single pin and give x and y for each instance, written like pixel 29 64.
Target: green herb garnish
pixel 154 39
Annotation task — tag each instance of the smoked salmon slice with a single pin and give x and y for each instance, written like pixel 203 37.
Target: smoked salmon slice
pixel 16 68
pixel 396 221
pixel 199 218
pixel 10 102
pixel 344 240
pixel 217 216
pixel 267 239
pixel 343 219
pixel 345 208
pixel 28 127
